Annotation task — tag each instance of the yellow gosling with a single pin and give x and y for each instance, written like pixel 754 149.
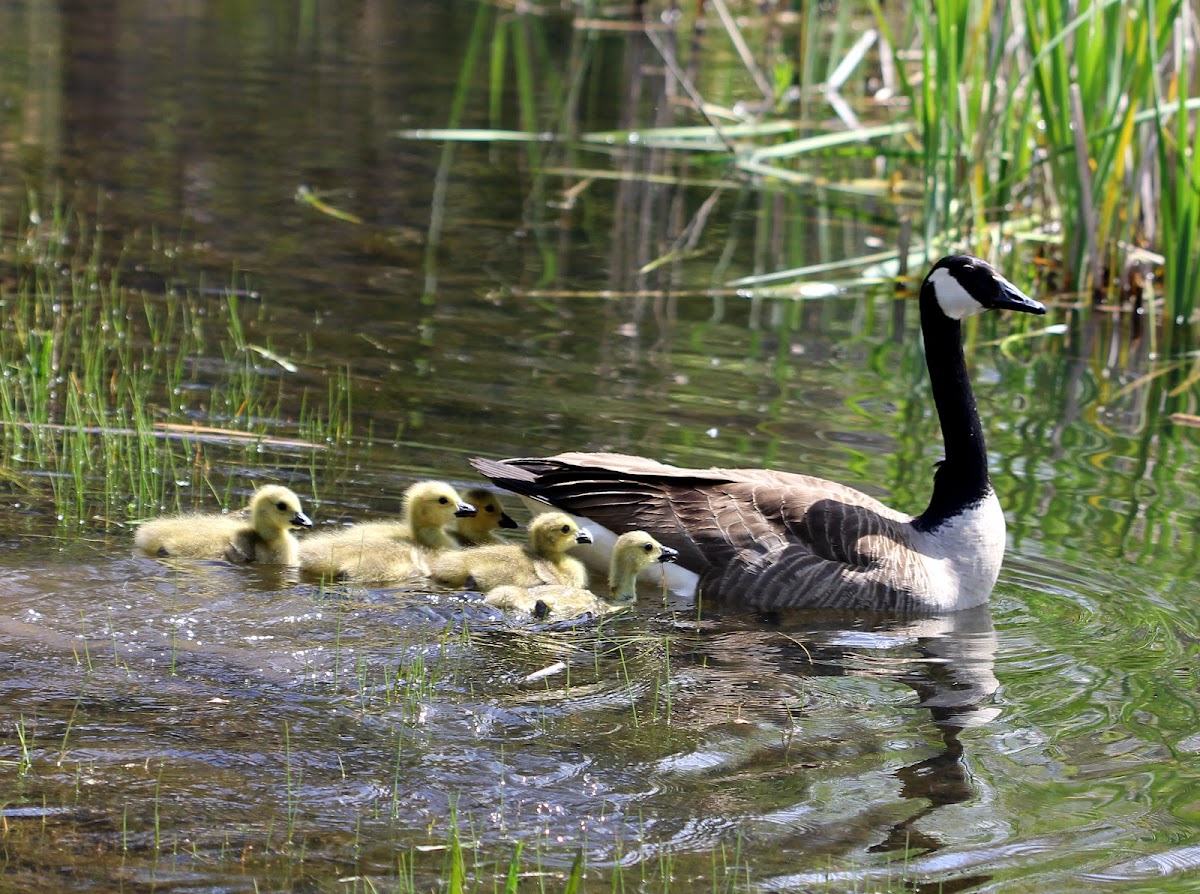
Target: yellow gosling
pixel 632 553
pixel 543 561
pixel 378 552
pixel 480 529
pixel 266 537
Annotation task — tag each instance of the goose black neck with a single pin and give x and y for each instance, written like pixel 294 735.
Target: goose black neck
pixel 962 479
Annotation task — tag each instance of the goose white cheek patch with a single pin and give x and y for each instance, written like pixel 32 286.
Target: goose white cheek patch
pixel 955 301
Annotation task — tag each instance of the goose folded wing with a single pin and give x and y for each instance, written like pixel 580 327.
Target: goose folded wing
pixel 713 517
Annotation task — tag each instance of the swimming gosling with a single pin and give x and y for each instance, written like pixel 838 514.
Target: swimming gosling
pixel 480 529
pixel 376 552
pixel 633 552
pixel 543 561
pixel 265 538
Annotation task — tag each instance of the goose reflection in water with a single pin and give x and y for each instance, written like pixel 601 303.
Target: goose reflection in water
pixel 828 793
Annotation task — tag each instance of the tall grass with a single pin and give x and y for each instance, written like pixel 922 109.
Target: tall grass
pixel 1036 112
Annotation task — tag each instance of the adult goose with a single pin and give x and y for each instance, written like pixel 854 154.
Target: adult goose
pixel 782 540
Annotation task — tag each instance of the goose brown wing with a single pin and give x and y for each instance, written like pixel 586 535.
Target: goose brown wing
pixel 621 500
pixel 715 518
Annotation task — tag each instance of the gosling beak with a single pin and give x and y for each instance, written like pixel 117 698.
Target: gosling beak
pixel 668 554
pixel 300 520
pixel 584 536
pixel 1009 297
pixel 466 510
pixel 506 521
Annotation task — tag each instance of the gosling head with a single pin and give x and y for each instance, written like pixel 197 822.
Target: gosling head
pixel 489 513
pixel 962 285
pixel 434 504
pixel 637 550
pixel 274 508
pixel 633 553
pixel 553 533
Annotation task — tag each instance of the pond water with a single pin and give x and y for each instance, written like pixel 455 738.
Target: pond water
pixel 203 727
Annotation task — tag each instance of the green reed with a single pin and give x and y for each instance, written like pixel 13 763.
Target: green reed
pixel 1178 155
pixel 1066 126
pixel 1041 105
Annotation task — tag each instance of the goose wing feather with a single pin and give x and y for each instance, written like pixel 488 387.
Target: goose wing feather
pixel 735 526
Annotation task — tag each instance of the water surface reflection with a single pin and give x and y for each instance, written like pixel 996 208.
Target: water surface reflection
pixel 201 725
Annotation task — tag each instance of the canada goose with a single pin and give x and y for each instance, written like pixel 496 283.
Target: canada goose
pixel 543 561
pixel 266 537
pixel 778 539
pixel 480 529
pixel 389 550
pixel 633 552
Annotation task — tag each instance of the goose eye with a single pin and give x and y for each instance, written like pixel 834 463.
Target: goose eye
pixel 649 547
pixel 566 529
pixel 489 508
pixel 282 507
pixel 443 500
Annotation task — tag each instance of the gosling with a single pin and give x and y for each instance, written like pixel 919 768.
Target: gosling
pixel 543 561
pixel 377 552
pixel 632 553
pixel 480 529
pixel 265 538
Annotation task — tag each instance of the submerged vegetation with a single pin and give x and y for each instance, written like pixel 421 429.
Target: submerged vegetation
pixel 1066 129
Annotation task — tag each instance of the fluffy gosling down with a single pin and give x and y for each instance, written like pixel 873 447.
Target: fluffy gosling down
pixel 633 552
pixel 543 561
pixel 265 538
pixel 378 552
pixel 480 529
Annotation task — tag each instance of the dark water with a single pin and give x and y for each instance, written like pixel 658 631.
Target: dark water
pixel 207 728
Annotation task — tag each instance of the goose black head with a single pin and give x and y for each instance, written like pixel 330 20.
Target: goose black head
pixel 963 285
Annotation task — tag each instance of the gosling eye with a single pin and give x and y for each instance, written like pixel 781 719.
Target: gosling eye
pixel 282 507
pixel 443 500
pixel 566 529
pixel 649 547
pixel 489 508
